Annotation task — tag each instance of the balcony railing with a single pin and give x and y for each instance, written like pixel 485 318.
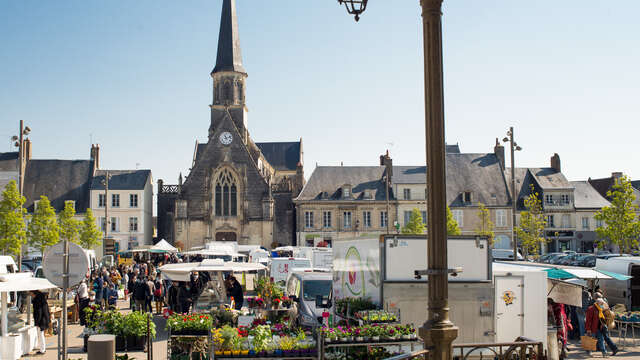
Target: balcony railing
pixel 521 349
pixel 557 203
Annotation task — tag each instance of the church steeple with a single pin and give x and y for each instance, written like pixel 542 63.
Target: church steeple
pixel 229 53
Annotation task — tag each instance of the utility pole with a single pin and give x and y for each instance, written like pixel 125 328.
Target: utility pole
pixel 105 182
pixel 514 197
pixel 19 142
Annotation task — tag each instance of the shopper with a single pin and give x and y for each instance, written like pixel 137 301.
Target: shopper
pixel 235 291
pixel 83 301
pixel 41 318
pixel 157 294
pixel 140 294
pixel 112 297
pixel 596 325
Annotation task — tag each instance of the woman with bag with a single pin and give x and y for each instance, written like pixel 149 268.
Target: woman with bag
pixel 596 324
pixel 41 318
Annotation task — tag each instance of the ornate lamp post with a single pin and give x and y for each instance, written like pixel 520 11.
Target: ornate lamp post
pixel 514 147
pixel 19 143
pixel 438 332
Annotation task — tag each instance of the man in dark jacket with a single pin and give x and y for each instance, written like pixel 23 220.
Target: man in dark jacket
pixel 41 318
pixel 140 293
pixel 131 285
pixel 184 297
pixel 235 291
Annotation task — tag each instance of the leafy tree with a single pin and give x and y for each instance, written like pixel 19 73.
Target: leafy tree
pixel 621 224
pixel 532 223
pixel 90 235
pixel 415 225
pixel 452 224
pixel 13 231
pixel 486 226
pixel 43 229
pixel 69 226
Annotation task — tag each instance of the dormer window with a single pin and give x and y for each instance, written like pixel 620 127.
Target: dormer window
pixel 346 191
pixel 466 197
pixel 368 194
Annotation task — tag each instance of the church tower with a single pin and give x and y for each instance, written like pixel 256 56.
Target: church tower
pixel 229 76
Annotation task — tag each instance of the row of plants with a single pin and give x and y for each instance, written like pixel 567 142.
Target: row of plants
pixel 130 329
pixel 200 324
pixel 283 302
pixel 349 306
pixel 369 333
pixel 361 353
pixel 376 316
pixel 260 341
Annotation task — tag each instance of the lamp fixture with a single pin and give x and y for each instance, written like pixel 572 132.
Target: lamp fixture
pixel 354 7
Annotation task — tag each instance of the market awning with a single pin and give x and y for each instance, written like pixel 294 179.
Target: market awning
pixel 182 271
pixel 162 246
pixel 615 275
pixel 556 273
pixel 564 292
pixel 585 274
pixel 23 282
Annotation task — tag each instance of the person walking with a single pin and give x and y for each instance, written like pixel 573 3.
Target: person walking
pixel 140 294
pixel 131 285
pixel 173 296
pixel 151 286
pixel 98 284
pixel 596 324
pixel 41 318
pixel 83 301
pixel 157 294
pixel 184 297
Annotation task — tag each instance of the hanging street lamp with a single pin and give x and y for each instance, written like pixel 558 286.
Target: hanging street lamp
pixel 354 7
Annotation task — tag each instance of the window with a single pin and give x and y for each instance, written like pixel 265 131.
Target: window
pixel 226 195
pixel 566 221
pixel 585 222
pixel 366 219
pixel 133 200
pixel 102 201
pixel 407 194
pixel 115 200
pixel 114 224
pixel 599 223
pixel 101 223
pixel 308 219
pixel 326 219
pixel 424 216
pixel 466 196
pixel 501 218
pixel 548 199
pixel 565 199
pixel 458 216
pixel 346 219
pixel 133 224
pixel 346 192
pixel 550 221
pixel 383 219
pixel 407 217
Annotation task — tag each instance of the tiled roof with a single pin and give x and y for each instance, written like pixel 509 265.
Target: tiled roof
pixel 281 155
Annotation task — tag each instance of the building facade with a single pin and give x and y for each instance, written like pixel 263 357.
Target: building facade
pixel 237 189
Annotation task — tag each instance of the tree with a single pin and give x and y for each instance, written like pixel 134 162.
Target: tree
pixel 90 235
pixel 532 223
pixel 486 226
pixel 452 224
pixel 621 225
pixel 13 232
pixel 415 225
pixel 69 226
pixel 43 229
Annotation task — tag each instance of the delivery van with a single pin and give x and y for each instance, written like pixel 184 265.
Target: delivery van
pixel 280 268
pixel 308 289
pixel 625 292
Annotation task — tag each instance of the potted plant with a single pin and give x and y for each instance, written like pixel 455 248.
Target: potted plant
pixel 261 338
pixel 189 324
pixel 135 330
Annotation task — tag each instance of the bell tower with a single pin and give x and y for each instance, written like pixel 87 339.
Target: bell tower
pixel 229 75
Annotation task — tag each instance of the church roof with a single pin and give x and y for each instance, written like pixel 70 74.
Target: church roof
pixel 59 180
pixel 121 179
pixel 281 155
pixel 229 53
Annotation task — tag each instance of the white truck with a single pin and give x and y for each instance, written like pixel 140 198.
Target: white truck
pixel 617 291
pixel 383 269
pixel 280 267
pixel 321 257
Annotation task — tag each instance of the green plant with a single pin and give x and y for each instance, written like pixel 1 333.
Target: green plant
pixel 288 343
pixel 261 337
pixel 228 336
pixel 223 317
pixel 191 322
pixel 13 232
pixel 123 357
pixel 135 324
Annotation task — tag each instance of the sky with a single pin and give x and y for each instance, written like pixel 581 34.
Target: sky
pixel 133 76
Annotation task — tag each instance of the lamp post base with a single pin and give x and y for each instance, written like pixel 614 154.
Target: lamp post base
pixel 438 339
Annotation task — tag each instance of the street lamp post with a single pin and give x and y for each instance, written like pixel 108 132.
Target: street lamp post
pixel 438 332
pixel 19 143
pixel 105 182
pixel 514 197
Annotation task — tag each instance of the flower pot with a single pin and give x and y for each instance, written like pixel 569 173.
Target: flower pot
pixel 278 352
pixel 375 338
pixel 359 338
pixel 218 352
pixel 343 339
pixel 121 343
pixel 250 352
pixel 406 337
pixel 226 353
pixel 235 352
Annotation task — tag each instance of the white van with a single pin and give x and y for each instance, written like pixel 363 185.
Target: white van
pixel 280 268
pixel 321 257
pixel 620 291
pixel 305 288
pixel 7 265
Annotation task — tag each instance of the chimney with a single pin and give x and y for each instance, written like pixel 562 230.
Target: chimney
pixel 387 162
pixel 498 150
pixel 95 156
pixel 160 183
pixel 27 149
pixel 616 175
pixel 555 162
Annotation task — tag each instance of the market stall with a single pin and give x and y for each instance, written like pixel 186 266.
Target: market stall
pixel 163 247
pixel 20 340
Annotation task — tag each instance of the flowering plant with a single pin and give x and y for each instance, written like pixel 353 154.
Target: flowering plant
pixel 242 331
pixel 255 302
pixel 189 322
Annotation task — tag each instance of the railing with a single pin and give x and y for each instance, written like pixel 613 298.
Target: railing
pixel 521 349
pixel 420 354
pixel 556 203
pixel 170 189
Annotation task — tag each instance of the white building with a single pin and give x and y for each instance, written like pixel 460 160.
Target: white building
pixel 129 206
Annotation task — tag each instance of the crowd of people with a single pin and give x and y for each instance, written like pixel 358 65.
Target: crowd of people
pixel 594 318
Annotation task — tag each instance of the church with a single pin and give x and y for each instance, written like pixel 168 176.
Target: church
pixel 237 189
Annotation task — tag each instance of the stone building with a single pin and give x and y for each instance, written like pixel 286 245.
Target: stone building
pixel 237 189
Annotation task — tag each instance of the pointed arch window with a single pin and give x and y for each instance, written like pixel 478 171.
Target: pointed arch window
pixel 226 195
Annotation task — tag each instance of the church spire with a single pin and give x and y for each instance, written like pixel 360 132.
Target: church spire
pixel 229 54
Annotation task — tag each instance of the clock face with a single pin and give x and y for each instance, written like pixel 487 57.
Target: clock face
pixel 226 138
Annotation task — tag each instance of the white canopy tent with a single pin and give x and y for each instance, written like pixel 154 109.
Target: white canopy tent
pixel 182 271
pixel 18 282
pixel 163 246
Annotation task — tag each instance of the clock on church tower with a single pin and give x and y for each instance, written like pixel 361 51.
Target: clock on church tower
pixel 226 138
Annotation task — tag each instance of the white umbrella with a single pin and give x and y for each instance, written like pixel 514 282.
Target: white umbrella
pixel 182 272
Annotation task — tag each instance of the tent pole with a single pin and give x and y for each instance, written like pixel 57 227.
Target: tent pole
pixel 5 316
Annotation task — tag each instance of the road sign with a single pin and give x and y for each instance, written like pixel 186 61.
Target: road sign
pixel 53 262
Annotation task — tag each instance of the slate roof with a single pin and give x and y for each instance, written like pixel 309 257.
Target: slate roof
pixel 59 180
pixel 330 179
pixel 121 179
pixel 544 178
pixel 586 197
pixel 605 184
pixel 453 149
pixel 550 178
pixel 9 161
pixel 479 173
pixel 636 184
pixel 229 53
pixel 281 155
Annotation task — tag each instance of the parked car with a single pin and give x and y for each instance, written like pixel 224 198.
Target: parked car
pixel 588 261
pixel 577 259
pixel 504 254
pixel 556 259
pixel 547 257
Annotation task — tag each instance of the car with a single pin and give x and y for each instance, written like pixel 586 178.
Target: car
pixel 504 254
pixel 546 257
pixel 588 261
pixel 556 259
pixel 577 259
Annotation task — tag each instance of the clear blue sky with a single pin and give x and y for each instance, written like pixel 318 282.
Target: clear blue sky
pixel 134 77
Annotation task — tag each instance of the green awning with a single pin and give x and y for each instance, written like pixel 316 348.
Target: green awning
pixel 615 275
pixel 558 274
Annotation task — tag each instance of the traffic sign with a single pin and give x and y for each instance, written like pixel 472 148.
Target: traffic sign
pixel 53 264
